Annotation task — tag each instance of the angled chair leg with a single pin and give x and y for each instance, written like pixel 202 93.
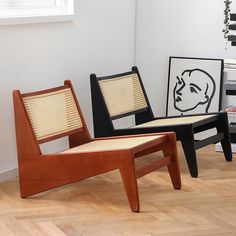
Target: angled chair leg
pixel 226 142
pixel 187 141
pixel 173 168
pixel 130 183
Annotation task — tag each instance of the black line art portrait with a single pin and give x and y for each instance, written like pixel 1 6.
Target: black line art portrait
pixel 197 84
pixel 194 86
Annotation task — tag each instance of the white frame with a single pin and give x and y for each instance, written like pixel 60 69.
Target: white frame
pixel 207 72
pixel 63 10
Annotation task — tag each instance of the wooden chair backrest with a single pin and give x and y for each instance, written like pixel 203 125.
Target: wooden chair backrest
pixel 123 94
pixel 54 113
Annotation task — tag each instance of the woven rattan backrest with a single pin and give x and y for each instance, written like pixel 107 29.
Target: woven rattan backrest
pixel 123 94
pixel 52 113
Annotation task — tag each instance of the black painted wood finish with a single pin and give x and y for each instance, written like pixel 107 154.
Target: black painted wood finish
pixel 103 125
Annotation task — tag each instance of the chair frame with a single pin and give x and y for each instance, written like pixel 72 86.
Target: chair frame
pixel 103 125
pixel 40 172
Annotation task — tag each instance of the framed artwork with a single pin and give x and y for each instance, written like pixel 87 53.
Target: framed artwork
pixel 194 85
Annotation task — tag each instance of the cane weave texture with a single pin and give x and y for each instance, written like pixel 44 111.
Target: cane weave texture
pixel 112 144
pixel 174 121
pixel 52 113
pixel 123 94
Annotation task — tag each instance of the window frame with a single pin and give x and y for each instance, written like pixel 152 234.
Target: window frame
pixel 63 10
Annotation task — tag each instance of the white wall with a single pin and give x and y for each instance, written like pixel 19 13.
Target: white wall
pixel 176 28
pixel 38 56
pixel 101 40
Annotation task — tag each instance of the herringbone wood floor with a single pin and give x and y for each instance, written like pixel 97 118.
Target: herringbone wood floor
pixel 98 206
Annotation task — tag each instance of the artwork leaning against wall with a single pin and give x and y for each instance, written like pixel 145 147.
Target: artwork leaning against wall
pixel 194 85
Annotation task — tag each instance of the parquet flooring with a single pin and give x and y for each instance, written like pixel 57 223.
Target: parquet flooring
pixel 98 205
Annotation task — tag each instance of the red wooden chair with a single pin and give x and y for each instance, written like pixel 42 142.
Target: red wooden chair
pixel 54 113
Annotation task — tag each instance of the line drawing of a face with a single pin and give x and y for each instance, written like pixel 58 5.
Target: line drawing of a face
pixel 193 88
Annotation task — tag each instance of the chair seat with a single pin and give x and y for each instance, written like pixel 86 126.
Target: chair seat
pixel 174 121
pixel 112 144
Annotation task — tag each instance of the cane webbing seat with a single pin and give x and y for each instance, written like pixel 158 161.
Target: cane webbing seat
pixel 112 144
pixel 50 114
pixel 113 98
pixel 126 97
pixel 174 121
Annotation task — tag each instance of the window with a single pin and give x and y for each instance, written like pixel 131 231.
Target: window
pixel 23 11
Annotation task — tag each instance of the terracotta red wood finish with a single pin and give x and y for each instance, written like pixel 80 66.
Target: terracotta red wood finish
pixel 40 172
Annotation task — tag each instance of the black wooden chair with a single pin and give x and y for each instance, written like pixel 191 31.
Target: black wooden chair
pixel 121 95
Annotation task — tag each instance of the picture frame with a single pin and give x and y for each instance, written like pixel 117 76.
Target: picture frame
pixel 194 85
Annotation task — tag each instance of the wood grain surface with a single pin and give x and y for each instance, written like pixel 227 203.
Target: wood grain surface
pixel 98 206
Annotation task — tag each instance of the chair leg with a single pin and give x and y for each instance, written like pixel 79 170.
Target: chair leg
pixel 226 142
pixel 173 168
pixel 226 146
pixel 130 183
pixel 188 145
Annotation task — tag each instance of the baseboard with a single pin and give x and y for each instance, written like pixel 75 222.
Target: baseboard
pixel 218 147
pixel 8 174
